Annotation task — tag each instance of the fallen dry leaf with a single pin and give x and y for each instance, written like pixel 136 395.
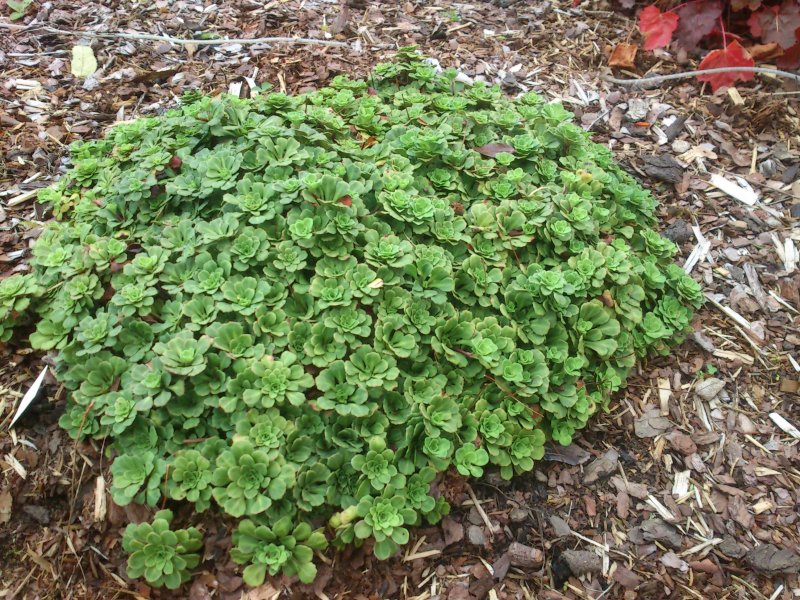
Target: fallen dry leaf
pixel 623 55
pixel 492 150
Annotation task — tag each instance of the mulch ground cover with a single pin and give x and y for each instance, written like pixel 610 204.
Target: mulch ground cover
pixel 689 487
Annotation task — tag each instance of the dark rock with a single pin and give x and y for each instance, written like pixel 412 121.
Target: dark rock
pixel 794 211
pixel 664 168
pixel 679 232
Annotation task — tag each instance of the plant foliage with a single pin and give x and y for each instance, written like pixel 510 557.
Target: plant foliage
pixel 303 309
pixel 776 24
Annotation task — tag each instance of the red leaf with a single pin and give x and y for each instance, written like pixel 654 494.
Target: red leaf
pixel 492 150
pixel 346 200
pixel 733 56
pixel 777 24
pixel 697 20
pixel 790 58
pixel 657 27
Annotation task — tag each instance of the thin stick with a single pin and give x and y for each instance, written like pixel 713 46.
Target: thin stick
pixel 480 510
pixel 174 40
pixel 671 76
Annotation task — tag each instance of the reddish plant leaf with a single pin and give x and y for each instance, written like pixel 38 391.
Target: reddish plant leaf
pixel 790 58
pixel 657 27
pixel 733 56
pixel 777 24
pixel 623 55
pixel 697 20
pixel 492 150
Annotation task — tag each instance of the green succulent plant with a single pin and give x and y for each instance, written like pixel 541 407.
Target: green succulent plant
pixel 304 307
pixel 280 547
pixel 162 556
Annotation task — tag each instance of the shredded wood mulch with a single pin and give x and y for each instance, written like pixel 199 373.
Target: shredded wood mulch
pixel 689 487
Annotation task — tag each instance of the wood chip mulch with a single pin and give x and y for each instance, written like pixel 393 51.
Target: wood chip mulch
pixel 689 487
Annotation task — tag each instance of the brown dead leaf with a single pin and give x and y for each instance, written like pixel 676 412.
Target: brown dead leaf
pixel 199 591
pixel 682 443
pixel 453 531
pixel 262 592
pixel 492 150
pixel 624 55
pixel 571 455
pixel 762 52
pixel 626 578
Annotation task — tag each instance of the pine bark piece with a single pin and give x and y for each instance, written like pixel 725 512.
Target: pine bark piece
pixel 525 557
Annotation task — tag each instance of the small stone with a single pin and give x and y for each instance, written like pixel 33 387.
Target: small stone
pixel 768 168
pixel 708 389
pixel 680 146
pixel 637 109
pixel 679 232
pixel 741 242
pixel 794 211
pixel 560 526
pixel 475 535
pixel 731 254
pixel 518 515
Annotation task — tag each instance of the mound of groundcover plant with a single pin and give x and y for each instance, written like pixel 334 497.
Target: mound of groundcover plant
pixel 299 311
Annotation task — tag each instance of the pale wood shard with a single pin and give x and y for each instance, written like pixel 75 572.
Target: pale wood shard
pixel 784 425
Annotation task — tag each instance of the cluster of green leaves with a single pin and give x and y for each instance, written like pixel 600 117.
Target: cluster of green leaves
pixel 164 557
pixel 304 308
